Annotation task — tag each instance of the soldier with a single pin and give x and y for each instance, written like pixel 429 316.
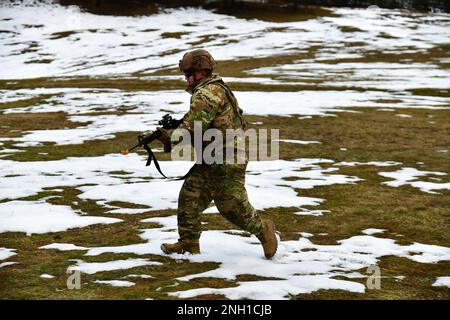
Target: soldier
pixel 214 104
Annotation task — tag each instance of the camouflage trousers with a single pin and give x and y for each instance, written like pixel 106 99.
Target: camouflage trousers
pixel 223 183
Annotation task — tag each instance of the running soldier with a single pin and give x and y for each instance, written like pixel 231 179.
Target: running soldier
pixel 215 106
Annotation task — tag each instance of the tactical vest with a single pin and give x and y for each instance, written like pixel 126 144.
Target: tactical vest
pixel 238 112
pixel 223 121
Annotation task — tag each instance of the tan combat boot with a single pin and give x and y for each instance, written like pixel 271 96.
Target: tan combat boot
pixel 181 247
pixel 268 238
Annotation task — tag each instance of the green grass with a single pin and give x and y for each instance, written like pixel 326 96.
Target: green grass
pixel 176 35
pixel 40 61
pixel 349 29
pixel 275 13
pixel 63 34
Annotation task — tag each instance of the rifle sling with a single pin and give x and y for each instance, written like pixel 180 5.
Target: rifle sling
pixel 151 156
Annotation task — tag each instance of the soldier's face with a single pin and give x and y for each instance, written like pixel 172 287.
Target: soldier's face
pixel 194 78
pixel 190 80
pixel 189 75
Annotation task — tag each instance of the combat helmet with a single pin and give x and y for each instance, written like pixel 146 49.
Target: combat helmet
pixel 197 60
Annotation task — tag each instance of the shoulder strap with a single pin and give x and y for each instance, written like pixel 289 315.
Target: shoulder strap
pixel 238 111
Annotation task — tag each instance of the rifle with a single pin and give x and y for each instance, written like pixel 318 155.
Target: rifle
pixel 167 122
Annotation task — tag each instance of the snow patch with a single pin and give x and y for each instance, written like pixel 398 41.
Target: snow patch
pixel 94 267
pixel 116 283
pixel 442 282
pixel 6 253
pixel 409 176
pixel 5 264
pixel 371 163
pixel 296 141
pixel 63 247
pixel 299 266
pixel 41 217
pixel 265 182
pixel 372 231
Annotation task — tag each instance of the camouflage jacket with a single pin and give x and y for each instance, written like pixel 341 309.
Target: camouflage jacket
pixel 215 106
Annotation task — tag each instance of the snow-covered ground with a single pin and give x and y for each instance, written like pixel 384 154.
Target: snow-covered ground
pixel 94 267
pixel 6 253
pixel 80 43
pixel 266 185
pixel 41 217
pixel 52 41
pixel 145 108
pixel 442 282
pixel 300 266
pixel 409 176
pixel 379 75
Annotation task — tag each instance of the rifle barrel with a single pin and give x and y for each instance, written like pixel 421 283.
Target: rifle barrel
pixel 144 140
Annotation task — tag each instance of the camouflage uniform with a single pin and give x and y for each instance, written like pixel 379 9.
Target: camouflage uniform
pixel 214 104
